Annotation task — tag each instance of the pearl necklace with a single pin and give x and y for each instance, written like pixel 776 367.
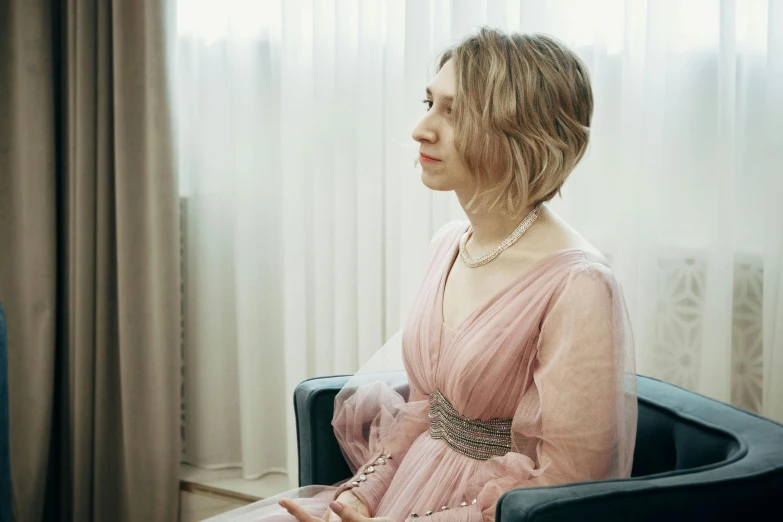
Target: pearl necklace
pixel 510 240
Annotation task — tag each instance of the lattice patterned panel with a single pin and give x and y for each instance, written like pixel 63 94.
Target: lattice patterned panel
pixel 747 334
pixel 679 320
pixel 679 325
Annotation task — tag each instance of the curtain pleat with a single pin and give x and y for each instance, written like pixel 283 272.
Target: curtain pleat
pixel 90 272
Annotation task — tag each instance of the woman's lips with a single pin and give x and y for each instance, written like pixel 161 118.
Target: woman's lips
pixel 427 159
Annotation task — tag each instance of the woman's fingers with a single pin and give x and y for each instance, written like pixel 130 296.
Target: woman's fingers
pixel 297 511
pixel 329 516
pixel 347 513
pixel 343 513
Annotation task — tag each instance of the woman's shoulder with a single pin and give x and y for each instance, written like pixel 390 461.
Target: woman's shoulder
pixel 557 240
pixel 588 280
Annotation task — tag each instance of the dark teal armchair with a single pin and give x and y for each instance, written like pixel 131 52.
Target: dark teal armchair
pixel 696 459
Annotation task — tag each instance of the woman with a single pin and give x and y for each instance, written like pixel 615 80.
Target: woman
pixel 518 350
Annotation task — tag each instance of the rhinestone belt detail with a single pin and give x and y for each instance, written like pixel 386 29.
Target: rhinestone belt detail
pixel 474 438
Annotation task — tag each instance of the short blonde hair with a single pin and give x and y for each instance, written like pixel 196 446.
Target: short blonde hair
pixel 522 111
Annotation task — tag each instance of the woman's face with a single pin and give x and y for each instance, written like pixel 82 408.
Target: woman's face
pixel 441 166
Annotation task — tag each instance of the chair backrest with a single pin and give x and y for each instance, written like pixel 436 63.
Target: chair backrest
pixel 6 495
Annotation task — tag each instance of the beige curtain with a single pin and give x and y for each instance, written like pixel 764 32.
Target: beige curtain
pixel 89 269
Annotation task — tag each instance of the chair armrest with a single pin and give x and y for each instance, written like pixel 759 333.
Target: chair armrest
pixel 748 480
pixel 320 458
pixel 682 497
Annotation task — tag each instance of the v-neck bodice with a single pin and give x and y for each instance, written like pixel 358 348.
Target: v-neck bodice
pixel 517 284
pixel 504 328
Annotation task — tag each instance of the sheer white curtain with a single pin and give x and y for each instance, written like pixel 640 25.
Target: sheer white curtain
pixel 306 224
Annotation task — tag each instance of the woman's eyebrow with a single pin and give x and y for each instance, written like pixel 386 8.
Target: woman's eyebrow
pixel 449 99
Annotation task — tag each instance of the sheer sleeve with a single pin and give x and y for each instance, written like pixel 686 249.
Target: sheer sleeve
pixel 577 420
pixel 375 432
pixel 377 419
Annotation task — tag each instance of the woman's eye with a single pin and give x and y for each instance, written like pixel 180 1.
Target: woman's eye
pixel 428 103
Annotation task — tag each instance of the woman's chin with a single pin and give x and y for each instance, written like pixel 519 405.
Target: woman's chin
pixel 436 181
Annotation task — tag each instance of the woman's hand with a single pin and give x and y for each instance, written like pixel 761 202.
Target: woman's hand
pixel 344 512
pixel 348 498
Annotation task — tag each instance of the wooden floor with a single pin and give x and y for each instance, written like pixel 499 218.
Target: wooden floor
pixel 206 493
pixel 199 506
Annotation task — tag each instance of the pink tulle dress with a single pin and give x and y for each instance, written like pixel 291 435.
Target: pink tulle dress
pixel 536 387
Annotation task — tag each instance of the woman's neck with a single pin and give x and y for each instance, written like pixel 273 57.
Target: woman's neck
pixel 491 228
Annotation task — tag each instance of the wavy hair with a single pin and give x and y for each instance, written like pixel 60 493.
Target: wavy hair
pixel 522 111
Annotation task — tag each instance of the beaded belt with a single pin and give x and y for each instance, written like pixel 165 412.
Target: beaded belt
pixel 473 438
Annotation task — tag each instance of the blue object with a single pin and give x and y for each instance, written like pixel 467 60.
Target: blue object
pixel 6 495
pixel 695 459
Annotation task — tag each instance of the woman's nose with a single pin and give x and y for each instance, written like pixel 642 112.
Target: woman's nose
pixel 423 132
